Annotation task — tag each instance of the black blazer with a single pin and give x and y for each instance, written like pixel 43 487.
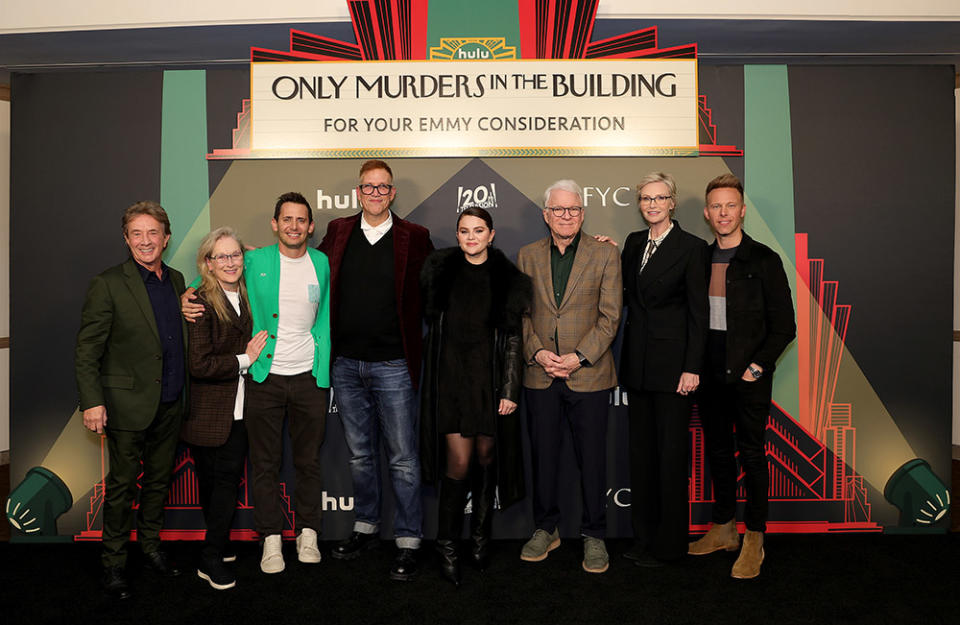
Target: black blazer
pixel 667 311
pixel 760 315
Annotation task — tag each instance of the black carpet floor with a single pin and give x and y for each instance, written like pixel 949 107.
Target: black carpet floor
pixel 805 580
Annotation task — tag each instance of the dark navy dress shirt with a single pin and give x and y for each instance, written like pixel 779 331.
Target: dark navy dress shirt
pixel 166 312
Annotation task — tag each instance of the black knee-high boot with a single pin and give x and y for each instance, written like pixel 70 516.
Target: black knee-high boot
pixel 453 496
pixel 481 520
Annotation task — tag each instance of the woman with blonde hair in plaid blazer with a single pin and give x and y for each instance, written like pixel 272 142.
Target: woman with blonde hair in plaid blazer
pixel 220 351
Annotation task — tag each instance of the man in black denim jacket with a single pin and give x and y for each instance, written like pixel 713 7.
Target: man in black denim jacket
pixel 751 323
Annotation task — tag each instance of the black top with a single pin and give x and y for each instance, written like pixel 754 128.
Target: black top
pixel 368 327
pixel 465 398
pixel 166 312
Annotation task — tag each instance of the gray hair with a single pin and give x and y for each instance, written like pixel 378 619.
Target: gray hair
pixel 658 176
pixel 562 185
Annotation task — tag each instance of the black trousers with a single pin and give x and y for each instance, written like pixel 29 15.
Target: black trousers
pixel 219 470
pixel 155 447
pixel 267 404
pixel 746 406
pixel 659 509
pixel 549 410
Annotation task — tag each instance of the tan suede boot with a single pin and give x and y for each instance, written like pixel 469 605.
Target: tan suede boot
pixel 717 537
pixel 747 565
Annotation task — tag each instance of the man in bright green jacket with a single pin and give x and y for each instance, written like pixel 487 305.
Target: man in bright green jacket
pixel 288 285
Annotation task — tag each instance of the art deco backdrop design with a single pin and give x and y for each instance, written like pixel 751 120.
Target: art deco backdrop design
pixel 849 180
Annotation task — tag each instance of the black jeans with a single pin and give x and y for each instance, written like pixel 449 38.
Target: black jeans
pixel 298 399
pixel 219 470
pixel 745 405
pixel 586 415
pixel 659 442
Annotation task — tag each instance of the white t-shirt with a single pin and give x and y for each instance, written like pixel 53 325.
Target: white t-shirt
pixel 234 298
pixel 299 300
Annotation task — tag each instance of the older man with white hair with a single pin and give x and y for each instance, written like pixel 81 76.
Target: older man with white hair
pixel 577 300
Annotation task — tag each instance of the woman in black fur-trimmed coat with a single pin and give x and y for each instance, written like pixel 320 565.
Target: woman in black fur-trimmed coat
pixel 473 302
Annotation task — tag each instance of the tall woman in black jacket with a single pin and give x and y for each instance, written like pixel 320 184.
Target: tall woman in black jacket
pixel 665 292
pixel 473 299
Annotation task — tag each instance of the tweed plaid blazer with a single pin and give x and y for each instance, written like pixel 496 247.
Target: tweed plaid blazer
pixel 586 320
pixel 214 374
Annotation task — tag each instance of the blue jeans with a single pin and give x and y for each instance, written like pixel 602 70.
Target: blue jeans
pixel 376 399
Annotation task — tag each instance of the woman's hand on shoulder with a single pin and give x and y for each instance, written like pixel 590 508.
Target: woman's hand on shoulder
pixel 605 239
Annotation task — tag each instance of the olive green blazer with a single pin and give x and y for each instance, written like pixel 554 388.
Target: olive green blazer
pixel 118 358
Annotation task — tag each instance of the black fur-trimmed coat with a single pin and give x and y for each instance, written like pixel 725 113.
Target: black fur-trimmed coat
pixel 510 295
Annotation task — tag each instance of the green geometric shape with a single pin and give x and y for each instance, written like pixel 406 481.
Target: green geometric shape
pixel 184 182
pixel 184 258
pixel 490 18
pixel 768 185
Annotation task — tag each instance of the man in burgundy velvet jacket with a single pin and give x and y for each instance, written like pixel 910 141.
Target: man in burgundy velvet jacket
pixel 375 261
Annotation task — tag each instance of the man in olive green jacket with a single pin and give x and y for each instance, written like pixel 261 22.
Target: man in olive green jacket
pixel 130 371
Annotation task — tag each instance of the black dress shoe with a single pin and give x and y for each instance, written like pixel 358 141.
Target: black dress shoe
pixel 636 552
pixel 159 562
pixel 647 561
pixel 350 548
pixel 115 583
pixel 405 565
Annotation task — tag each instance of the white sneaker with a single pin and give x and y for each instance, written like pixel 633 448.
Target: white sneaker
pixel 307 551
pixel 272 560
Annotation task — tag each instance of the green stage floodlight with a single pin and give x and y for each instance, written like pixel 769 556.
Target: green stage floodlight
pixel 923 500
pixel 35 504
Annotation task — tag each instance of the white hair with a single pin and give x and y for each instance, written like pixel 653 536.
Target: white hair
pixel 562 185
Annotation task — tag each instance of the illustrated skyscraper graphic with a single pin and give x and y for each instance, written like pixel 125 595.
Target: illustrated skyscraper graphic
pixel 184 496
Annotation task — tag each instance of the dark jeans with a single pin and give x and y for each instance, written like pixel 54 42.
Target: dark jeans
pixel 155 446
pixel 660 510
pixel 219 470
pixel 549 410
pixel 746 406
pixel 298 399
pixel 376 400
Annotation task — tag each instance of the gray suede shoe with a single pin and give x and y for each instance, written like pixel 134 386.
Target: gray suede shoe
pixel 540 545
pixel 595 558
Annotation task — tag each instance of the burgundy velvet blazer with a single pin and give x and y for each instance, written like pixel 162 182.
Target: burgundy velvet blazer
pixel 411 246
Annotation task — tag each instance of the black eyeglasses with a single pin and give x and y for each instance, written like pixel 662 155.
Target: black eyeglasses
pixel 381 189
pixel 558 211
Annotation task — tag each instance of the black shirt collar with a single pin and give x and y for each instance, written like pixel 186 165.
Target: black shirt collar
pixel 146 273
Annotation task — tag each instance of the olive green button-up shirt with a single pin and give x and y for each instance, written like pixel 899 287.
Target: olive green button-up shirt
pixel 561 265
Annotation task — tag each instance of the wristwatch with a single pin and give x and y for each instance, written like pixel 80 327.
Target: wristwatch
pixel 583 360
pixel 755 372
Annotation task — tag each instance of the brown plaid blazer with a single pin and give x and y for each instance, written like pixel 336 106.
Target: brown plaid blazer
pixel 586 320
pixel 214 372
